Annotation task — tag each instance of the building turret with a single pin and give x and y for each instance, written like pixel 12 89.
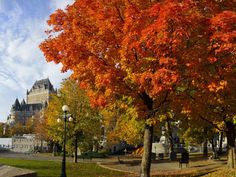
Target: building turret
pixel 23 102
pixel 16 106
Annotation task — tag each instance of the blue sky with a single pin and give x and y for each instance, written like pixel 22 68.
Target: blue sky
pixel 22 26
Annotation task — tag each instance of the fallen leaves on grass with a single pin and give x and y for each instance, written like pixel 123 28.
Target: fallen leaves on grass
pixel 222 172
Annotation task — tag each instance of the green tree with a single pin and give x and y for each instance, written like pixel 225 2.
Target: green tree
pixel 86 120
pixel 5 130
pixel 122 123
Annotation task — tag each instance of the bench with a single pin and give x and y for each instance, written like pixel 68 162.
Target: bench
pixel 184 159
pixel 87 157
pixel 214 156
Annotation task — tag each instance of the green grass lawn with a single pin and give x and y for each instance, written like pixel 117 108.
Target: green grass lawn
pixel 53 168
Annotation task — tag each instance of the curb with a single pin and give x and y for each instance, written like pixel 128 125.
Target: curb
pixel 114 169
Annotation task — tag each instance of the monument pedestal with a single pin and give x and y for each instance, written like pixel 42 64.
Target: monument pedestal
pixel 8 171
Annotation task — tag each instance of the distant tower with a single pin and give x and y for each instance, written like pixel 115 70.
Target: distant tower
pixel 36 100
pixel 15 112
pixel 40 91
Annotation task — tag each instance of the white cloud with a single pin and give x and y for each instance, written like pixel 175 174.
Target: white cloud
pixel 12 15
pixel 15 14
pixel 48 71
pixel 60 4
pixel 21 61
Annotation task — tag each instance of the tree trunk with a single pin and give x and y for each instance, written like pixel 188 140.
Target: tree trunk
pixel 230 133
pixel 170 135
pixel 212 144
pixel 75 150
pixel 205 149
pixel 53 149
pixel 146 159
pixel 221 142
pixel 41 146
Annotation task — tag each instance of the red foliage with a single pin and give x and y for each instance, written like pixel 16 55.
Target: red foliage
pixel 138 47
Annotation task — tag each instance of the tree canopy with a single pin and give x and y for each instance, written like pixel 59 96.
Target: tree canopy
pixel 86 121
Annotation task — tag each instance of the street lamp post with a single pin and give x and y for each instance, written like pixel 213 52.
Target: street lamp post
pixel 65 110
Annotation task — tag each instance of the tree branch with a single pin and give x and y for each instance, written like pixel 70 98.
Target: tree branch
pixel 214 125
pixel 154 111
pixel 119 14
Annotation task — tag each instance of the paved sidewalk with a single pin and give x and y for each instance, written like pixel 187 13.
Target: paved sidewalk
pixel 164 167
pixel 49 157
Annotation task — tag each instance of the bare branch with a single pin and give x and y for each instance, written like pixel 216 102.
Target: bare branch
pixel 211 123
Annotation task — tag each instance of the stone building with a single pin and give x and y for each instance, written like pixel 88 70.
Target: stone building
pixel 37 99
pixel 40 91
pixel 28 143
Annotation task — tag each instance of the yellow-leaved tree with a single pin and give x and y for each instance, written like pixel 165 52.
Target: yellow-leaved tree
pixel 85 125
pixel 121 122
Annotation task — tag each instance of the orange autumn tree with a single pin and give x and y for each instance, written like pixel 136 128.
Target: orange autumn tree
pixel 137 48
pixel 211 90
pixel 214 85
pixel 223 77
